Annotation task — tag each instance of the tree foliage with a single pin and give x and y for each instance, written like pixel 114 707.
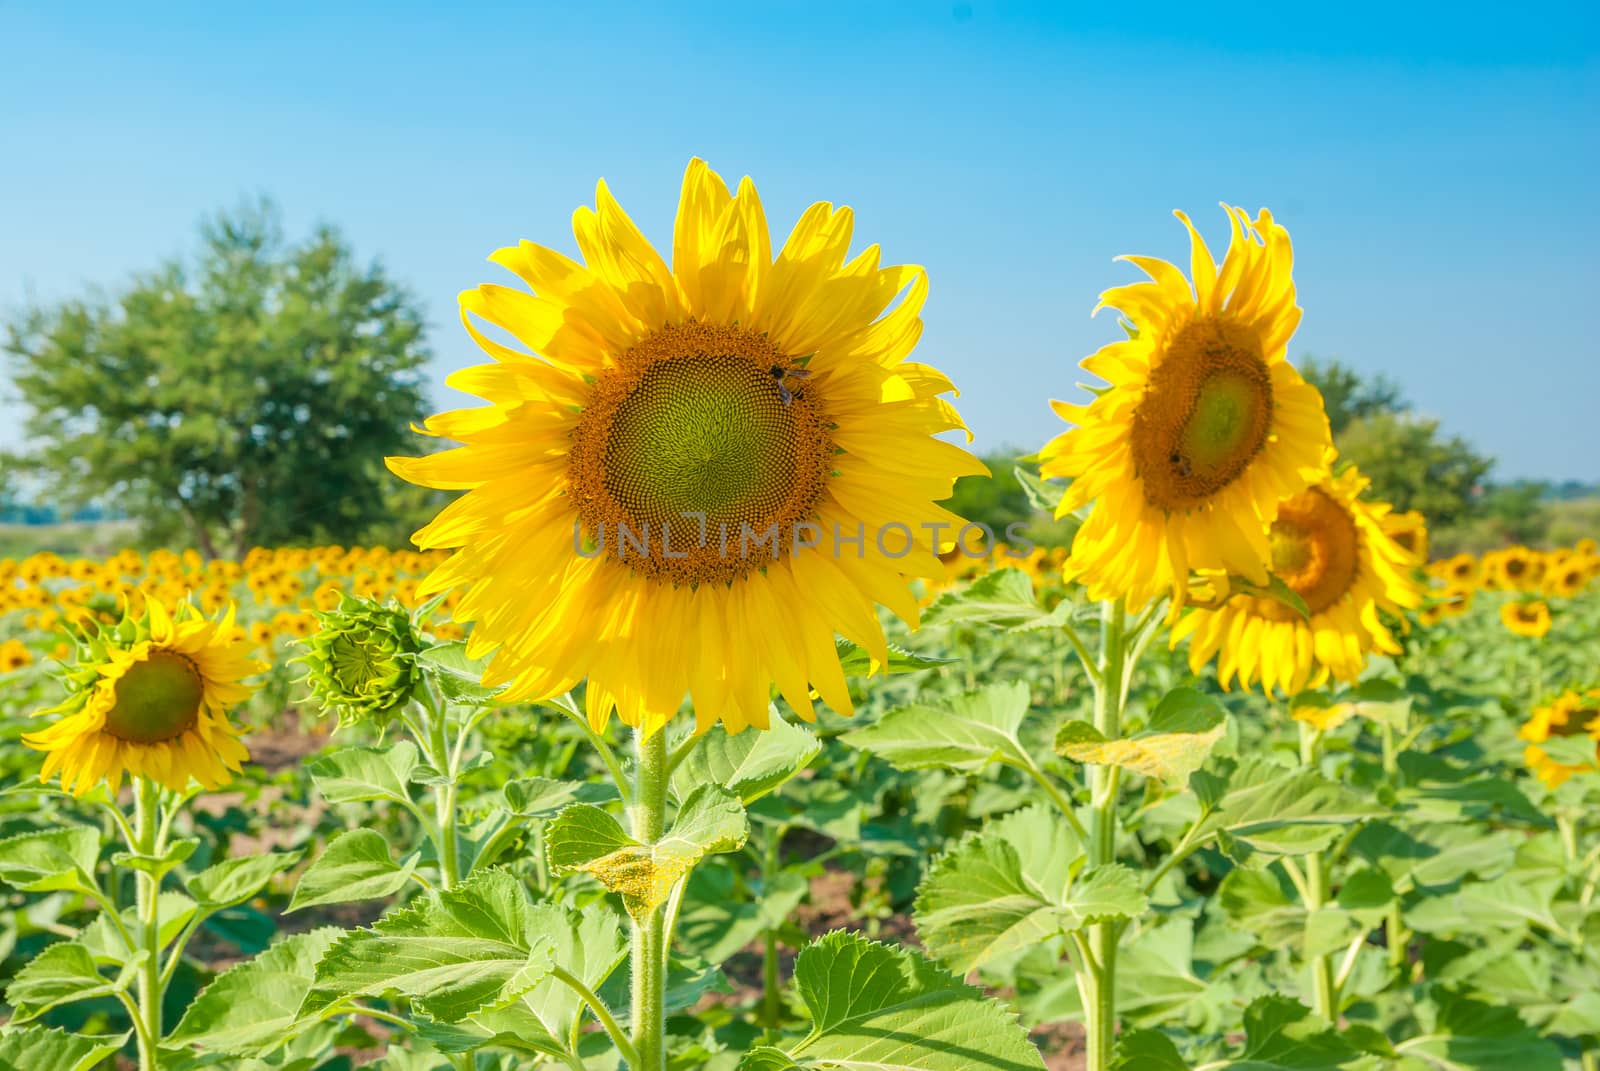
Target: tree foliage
pixel 1413 465
pixel 245 399
pixel 1348 396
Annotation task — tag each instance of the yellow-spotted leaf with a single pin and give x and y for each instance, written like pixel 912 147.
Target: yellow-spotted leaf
pixel 1184 728
pixel 587 839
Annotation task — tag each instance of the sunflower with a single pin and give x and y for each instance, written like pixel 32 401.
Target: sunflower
pixel 706 471
pixel 1567 578
pixel 1460 573
pixel 150 699
pixel 1530 617
pixel 1514 569
pixel 1569 715
pixel 1205 426
pixel 1410 531
pixel 14 655
pixel 1332 550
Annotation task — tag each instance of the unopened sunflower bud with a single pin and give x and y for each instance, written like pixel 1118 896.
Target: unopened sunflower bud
pixel 361 662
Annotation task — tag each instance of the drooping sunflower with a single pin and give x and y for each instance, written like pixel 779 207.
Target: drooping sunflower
pixel 701 472
pixel 1526 617
pixel 1205 426
pixel 150 699
pixel 1570 714
pixel 1332 550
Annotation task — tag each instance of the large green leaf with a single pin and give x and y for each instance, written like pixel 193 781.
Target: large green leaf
pixel 749 764
pixel 590 945
pixel 62 974
pixel 458 953
pixel 875 1008
pixel 585 838
pixel 1014 885
pixel 40 1048
pixel 1003 598
pixel 1184 728
pixel 355 866
pixel 1258 806
pixel 50 860
pixel 354 774
pixel 233 881
pixel 253 1009
pixel 965 733
pixel 1469 1035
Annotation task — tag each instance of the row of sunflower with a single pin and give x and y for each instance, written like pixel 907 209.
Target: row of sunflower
pixel 762 388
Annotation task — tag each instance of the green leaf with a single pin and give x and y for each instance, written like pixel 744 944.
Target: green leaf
pixel 542 797
pixel 354 774
pixel 459 953
pixel 1043 495
pixel 1283 1035
pixel 1281 810
pixel 1003 598
pixel 355 866
pixel 50 860
pixel 41 1048
pixel 587 839
pixel 748 764
pixel 1014 885
pixel 157 865
pixel 856 662
pixel 1184 728
pixel 1147 1050
pixel 460 678
pixel 62 974
pixel 233 881
pixel 966 733
pixel 253 1008
pixel 590 945
pixel 875 1008
pixel 1469 1035
pixel 1275 589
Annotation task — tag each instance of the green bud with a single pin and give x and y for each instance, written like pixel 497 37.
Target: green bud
pixel 361 663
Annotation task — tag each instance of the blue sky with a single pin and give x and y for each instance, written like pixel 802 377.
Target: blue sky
pixel 1436 164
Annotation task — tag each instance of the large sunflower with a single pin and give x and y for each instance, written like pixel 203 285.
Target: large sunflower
pixel 623 482
pixel 1334 552
pixel 150 699
pixel 1205 426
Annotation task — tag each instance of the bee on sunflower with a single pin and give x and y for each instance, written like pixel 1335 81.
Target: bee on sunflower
pixel 1204 428
pixel 744 388
pixel 1334 551
pixel 149 699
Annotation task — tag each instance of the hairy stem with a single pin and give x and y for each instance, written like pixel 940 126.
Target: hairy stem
pixel 649 953
pixel 147 833
pixel 1111 689
pixel 1324 983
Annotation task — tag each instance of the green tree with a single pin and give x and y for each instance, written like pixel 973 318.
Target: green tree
pixel 1413 466
pixel 1348 396
pixel 245 399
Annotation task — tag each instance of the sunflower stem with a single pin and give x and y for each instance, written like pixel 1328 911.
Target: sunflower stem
pixel 1110 693
pixel 649 953
pixel 1324 982
pixel 148 833
pixel 771 1005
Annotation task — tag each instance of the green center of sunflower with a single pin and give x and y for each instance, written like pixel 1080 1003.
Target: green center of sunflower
pixel 1315 551
pixel 698 454
pixel 157 699
pixel 1206 413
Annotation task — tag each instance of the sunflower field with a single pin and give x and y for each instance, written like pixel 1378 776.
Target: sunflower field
pixel 697 732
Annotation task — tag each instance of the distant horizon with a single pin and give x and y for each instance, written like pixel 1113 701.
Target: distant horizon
pixel 1436 177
